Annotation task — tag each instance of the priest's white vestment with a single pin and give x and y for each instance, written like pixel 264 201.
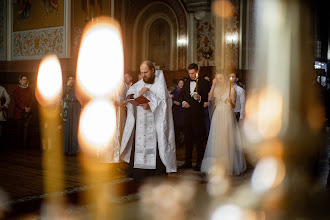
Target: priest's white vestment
pixel 153 128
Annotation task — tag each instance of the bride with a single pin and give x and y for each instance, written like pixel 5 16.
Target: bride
pixel 224 145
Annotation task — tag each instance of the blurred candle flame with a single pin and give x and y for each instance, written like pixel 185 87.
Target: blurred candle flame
pixel 49 81
pixel 268 173
pixel 223 8
pixel 97 125
pixel 228 212
pixel 263 115
pixel 100 70
pixel 100 63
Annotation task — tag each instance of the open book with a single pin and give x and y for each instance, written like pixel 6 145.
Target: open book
pixel 139 100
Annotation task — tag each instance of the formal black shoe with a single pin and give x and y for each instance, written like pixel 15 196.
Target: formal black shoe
pixel 197 167
pixel 185 166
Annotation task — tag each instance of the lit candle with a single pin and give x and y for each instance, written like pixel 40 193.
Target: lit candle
pixel 197 82
pixel 230 85
pixel 99 76
pixel 48 93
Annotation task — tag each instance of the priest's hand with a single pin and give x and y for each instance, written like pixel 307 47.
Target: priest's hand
pixel 143 91
pixel 145 106
pixel 118 103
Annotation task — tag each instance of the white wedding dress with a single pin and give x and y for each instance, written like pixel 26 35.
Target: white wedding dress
pixel 224 145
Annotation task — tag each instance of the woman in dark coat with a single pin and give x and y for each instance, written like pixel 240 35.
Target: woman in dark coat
pixel 70 114
pixel 178 114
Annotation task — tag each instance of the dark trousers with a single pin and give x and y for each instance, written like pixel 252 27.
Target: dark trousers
pixel 2 124
pixel 237 115
pixel 179 139
pixel 194 133
pixel 23 128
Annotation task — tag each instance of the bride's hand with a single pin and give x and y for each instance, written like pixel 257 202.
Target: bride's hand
pixel 214 81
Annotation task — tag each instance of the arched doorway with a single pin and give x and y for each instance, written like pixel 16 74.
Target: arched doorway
pixel 159 46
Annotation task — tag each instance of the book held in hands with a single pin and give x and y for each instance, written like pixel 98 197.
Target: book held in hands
pixel 138 101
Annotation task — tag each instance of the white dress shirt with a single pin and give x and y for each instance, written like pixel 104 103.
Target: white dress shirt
pixel 192 90
pixel 192 86
pixel 240 101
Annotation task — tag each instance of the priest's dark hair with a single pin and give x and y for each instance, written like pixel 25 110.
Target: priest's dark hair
pixel 193 66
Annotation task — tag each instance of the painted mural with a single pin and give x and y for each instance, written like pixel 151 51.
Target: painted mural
pixel 31 15
pixel 82 16
pixel 3 30
pixel 205 41
pixel 35 44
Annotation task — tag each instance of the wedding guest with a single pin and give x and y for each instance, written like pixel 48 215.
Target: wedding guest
pixel 71 109
pixel 23 96
pixel 178 114
pixel 239 109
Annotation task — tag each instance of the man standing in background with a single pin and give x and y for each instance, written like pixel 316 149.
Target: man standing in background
pixel 239 109
pixel 24 97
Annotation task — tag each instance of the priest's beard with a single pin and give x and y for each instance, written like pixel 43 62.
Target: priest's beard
pixel 150 80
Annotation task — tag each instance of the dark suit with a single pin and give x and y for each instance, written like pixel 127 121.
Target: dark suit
pixel 194 124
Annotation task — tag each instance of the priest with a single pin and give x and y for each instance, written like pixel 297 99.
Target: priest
pixel 148 142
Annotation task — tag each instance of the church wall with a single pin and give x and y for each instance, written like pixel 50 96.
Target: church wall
pixel 81 18
pixel 3 30
pixel 232 33
pixel 138 17
pixel 38 31
pixel 252 33
pixel 205 40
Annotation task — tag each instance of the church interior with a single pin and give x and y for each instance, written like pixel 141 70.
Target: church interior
pixel 277 48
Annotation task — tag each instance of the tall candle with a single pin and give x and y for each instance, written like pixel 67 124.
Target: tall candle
pixel 99 76
pixel 48 92
pixel 230 85
pixel 197 82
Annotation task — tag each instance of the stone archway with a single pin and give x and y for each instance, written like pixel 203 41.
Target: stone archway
pixel 159 45
pixel 139 21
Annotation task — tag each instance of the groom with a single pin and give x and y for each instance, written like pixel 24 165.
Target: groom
pixel 193 95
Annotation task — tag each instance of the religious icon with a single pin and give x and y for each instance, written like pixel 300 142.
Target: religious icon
pixel 24 8
pixel 51 5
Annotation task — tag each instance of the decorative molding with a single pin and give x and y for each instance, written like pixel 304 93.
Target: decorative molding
pixel 232 29
pixel 205 40
pixel 77 32
pixel 3 30
pixel 252 33
pixel 35 44
pixel 152 11
pixel 136 10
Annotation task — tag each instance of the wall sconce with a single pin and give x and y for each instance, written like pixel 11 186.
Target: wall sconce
pixel 231 38
pixel 207 54
pixel 181 42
